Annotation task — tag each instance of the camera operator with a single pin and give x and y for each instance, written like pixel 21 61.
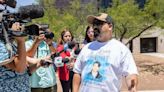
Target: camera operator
pixel 14 68
pixel 43 79
pixel 12 74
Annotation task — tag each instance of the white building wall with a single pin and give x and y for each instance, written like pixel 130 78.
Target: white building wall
pixel 160 43
pixel 158 33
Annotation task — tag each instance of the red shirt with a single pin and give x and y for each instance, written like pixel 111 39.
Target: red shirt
pixel 63 71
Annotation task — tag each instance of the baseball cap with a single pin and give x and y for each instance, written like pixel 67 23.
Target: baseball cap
pixel 101 17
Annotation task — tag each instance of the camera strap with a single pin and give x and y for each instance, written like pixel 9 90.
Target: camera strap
pixel 1 16
pixel 7 42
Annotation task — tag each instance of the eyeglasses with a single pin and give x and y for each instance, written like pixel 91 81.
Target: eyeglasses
pixel 90 31
pixel 98 22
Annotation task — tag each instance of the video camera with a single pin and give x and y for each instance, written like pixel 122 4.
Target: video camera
pixel 25 14
pixel 44 28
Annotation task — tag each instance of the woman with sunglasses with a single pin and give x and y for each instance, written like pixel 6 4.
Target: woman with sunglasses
pixel 89 35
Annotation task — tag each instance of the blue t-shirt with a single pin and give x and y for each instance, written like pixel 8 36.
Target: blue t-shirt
pixel 11 81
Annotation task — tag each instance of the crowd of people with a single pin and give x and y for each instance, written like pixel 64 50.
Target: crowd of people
pixel 31 65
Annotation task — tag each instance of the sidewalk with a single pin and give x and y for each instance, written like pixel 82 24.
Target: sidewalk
pixel 161 55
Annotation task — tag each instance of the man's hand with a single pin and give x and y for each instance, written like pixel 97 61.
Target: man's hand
pixel 132 82
pixel 40 38
pixel 2 1
pixel 70 65
pixel 45 63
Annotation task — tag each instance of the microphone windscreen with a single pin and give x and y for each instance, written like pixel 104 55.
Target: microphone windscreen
pixel 31 11
pixel 11 3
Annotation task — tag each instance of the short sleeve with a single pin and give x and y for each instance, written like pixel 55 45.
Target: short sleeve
pixel 79 63
pixel 3 52
pixel 128 64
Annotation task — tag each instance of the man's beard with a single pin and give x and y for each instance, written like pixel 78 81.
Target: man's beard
pixel 96 32
pixel 100 35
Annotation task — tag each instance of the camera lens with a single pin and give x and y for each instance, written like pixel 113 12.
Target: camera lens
pixel 32 30
pixel 49 35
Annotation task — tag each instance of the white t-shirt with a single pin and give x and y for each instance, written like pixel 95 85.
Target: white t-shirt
pixel 102 66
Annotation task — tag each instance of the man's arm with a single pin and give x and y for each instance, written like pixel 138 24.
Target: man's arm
pixel 19 64
pixel 129 70
pixel 31 52
pixel 35 63
pixel 132 81
pixel 76 82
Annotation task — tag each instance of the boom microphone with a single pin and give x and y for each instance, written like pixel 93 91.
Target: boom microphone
pixel 31 11
pixel 11 3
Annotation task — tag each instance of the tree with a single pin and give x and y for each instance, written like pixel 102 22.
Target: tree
pixel 80 12
pixel 51 17
pixel 131 21
pixel 72 17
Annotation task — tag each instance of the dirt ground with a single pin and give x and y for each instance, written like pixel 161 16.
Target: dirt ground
pixel 151 72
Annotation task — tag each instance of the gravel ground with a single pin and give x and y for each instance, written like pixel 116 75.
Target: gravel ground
pixel 151 72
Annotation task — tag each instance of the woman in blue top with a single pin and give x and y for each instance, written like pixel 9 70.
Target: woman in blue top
pixel 13 64
pixel 13 77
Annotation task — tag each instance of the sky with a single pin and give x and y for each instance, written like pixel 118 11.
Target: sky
pixel 25 2
pixel 21 3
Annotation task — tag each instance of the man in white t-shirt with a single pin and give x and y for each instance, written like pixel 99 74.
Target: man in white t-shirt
pixel 114 61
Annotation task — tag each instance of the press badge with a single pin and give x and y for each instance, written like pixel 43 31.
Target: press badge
pixel 58 62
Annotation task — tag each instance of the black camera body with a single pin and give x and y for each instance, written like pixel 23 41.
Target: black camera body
pixel 49 35
pixel 24 15
pixel 44 28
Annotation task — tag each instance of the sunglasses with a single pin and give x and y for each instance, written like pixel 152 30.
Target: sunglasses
pixel 89 32
pixel 97 22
